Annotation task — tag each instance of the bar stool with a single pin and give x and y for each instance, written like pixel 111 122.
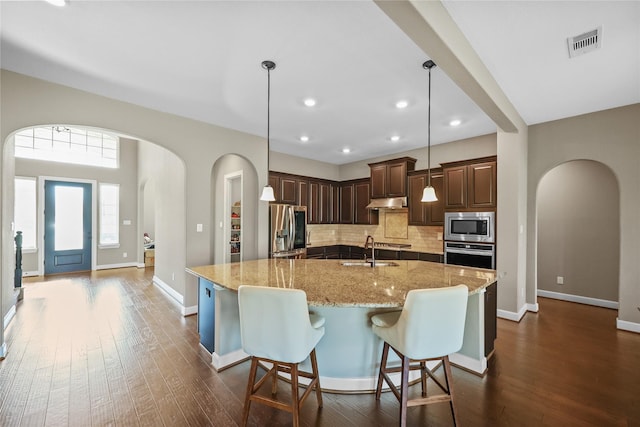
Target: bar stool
pixel 429 327
pixel 276 327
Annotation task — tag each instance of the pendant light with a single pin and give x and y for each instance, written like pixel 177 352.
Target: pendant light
pixel 267 191
pixel 429 193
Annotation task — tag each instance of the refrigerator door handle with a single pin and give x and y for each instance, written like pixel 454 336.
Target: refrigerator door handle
pixel 292 228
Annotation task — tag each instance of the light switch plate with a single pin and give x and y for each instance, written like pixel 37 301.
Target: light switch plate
pixel 199 228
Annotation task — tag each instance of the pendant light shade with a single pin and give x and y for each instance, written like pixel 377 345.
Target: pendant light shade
pixel 429 193
pixel 267 194
pixel 267 191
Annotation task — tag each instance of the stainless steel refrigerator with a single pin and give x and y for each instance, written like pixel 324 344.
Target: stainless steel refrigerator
pixel 288 231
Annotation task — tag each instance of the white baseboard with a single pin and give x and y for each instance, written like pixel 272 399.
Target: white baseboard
pixel 140 265
pixel 188 311
pixel 510 315
pixel 533 307
pixel 466 362
pixel 30 273
pixel 221 362
pixel 628 326
pixel 168 290
pixel 9 316
pixel 3 351
pixel 121 265
pixel 579 299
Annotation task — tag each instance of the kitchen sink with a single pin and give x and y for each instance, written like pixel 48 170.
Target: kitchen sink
pixel 368 264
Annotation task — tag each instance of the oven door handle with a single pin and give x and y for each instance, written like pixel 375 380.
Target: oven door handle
pixel 470 252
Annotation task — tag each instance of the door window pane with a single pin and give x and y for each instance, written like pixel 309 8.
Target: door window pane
pixel 69 213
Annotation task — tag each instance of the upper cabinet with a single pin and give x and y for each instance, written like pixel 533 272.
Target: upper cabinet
pixel 355 196
pixel 470 185
pixel 420 213
pixel 389 178
pixel 321 197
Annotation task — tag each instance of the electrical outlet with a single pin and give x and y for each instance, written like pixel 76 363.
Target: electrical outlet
pixel 560 280
pixel 124 254
pixel 173 276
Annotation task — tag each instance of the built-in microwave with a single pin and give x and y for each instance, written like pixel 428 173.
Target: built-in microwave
pixel 469 227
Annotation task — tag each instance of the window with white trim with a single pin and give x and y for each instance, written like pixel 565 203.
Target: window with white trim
pixel 24 211
pixel 109 215
pixel 68 145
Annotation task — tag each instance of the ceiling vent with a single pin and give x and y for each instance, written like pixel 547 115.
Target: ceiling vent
pixel 586 42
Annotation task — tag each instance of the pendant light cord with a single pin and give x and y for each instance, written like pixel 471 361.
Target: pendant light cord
pixel 429 134
pixel 268 117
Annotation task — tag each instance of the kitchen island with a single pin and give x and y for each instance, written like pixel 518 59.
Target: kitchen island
pixel 347 296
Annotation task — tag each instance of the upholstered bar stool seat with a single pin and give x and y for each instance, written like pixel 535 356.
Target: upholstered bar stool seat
pixel 276 327
pixel 429 327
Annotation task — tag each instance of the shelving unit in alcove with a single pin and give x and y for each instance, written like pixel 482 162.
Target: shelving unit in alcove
pixel 235 238
pixel 233 217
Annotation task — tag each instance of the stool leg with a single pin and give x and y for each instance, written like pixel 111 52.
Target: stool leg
pixel 404 390
pixel 250 383
pixel 423 377
pixel 274 384
pixel 314 369
pixel 383 366
pixel 449 380
pixel 294 395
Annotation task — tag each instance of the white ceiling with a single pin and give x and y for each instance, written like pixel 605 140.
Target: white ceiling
pixel 202 60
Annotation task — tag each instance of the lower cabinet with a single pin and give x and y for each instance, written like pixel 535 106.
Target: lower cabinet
pixel 357 252
pixel 206 314
pixel 490 321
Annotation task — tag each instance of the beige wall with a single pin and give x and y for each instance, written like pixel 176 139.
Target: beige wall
pixel 29 102
pixel 579 230
pixel 611 137
pixel 280 162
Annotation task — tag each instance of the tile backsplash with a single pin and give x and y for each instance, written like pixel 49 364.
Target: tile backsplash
pixel 421 238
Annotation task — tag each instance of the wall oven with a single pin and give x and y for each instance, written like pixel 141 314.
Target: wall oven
pixel 479 255
pixel 469 226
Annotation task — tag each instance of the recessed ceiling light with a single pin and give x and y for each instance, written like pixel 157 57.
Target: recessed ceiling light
pixel 57 2
pixel 402 104
pixel 346 150
pixel 309 102
pixel 304 138
pixel 395 138
pixel 455 122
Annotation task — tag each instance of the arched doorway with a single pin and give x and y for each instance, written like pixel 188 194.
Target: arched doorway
pixel 578 234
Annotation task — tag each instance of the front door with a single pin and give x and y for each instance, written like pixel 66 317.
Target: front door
pixel 67 216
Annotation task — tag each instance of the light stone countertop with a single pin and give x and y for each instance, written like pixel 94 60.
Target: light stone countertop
pixel 328 283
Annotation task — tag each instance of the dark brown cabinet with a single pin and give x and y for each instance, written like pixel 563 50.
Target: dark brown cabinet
pixel 470 185
pixel 425 213
pixel 303 194
pixel 346 203
pixel 288 191
pixel 490 321
pixel 389 178
pixel 321 197
pixel 362 215
pixel 455 196
pixel 482 185
pixel 354 198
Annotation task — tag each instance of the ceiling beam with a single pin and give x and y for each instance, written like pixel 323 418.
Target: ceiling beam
pixel 431 27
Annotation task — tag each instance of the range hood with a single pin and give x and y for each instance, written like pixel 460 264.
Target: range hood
pixel 388 203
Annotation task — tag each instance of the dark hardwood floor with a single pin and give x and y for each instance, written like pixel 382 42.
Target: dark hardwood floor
pixel 110 348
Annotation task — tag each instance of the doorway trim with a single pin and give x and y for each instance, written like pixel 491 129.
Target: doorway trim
pixel 41 225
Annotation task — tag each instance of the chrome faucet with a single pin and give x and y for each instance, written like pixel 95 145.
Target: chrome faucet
pixel 369 243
